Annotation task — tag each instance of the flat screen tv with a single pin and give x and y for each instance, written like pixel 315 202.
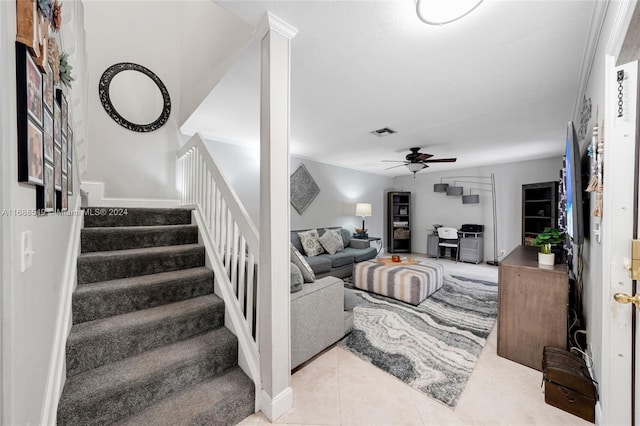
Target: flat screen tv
pixel 573 185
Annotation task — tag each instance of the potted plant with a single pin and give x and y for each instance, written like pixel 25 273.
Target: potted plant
pixel 545 240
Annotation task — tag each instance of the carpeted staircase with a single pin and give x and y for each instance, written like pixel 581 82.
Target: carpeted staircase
pixel 148 345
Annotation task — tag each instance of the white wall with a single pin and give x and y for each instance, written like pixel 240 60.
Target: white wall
pixel 150 33
pixel 241 167
pixel 340 190
pixel 430 207
pixel 29 299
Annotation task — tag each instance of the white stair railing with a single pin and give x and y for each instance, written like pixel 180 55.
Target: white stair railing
pixel 231 241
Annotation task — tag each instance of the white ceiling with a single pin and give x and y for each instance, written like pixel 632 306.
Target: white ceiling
pixel 497 86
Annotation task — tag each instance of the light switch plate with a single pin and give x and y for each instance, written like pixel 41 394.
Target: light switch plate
pixel 27 251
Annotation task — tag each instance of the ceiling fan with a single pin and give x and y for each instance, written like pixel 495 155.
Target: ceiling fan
pixel 416 161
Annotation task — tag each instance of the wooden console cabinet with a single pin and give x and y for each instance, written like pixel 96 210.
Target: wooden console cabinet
pixel 532 307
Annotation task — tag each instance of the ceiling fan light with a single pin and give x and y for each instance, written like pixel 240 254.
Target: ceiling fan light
pixel 454 190
pixel 415 167
pixel 440 12
pixel 471 199
pixel 440 187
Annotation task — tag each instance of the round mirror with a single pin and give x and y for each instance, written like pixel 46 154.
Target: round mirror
pixel 133 95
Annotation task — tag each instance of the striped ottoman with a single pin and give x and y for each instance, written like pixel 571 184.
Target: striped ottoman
pixel 409 283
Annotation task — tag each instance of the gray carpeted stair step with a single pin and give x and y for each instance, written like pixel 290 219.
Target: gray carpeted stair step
pixel 108 298
pixel 223 400
pixel 111 265
pixel 131 237
pixel 95 343
pixel 115 216
pixel 112 392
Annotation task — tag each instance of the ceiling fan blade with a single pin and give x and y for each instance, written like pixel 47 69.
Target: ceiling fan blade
pixel 392 161
pixel 441 160
pixel 423 157
pixel 393 167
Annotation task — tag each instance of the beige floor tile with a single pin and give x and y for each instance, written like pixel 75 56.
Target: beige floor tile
pixel 315 393
pixel 370 396
pixel 339 388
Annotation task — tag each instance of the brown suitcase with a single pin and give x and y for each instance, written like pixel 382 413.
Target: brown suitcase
pixel 567 383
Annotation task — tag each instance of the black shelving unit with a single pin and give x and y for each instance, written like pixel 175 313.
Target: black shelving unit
pixel 399 222
pixel 539 209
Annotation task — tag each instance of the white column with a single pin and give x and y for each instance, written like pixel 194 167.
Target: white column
pixel 273 285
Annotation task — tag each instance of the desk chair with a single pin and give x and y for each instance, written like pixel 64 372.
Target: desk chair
pixel 448 237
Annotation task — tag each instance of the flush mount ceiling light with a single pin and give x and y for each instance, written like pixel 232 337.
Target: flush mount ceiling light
pixel 440 12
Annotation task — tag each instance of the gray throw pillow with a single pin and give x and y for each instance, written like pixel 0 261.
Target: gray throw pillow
pixel 296 279
pixel 297 259
pixel 331 240
pixel 310 243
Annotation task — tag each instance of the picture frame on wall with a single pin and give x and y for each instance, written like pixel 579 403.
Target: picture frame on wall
pixel 57 169
pixel 48 89
pixel 29 118
pixel 64 110
pixel 70 144
pixel 57 124
pixel 65 196
pixel 49 190
pixel 33 88
pixel 48 136
pixel 64 154
pixel 70 178
pixel 35 147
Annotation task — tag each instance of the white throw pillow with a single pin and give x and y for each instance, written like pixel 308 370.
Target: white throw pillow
pixel 310 243
pixel 331 240
pixel 297 259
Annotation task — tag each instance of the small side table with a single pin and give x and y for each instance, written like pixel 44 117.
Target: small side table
pixel 376 240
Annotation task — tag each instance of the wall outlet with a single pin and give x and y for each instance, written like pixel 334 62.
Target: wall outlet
pixel 501 252
pixel 26 253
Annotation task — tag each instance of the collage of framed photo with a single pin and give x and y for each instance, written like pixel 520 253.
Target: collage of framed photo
pixel 45 139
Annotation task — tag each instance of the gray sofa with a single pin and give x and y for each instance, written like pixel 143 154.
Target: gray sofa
pixel 318 318
pixel 340 264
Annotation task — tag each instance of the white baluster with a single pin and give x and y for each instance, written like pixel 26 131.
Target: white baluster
pixel 249 314
pixel 234 258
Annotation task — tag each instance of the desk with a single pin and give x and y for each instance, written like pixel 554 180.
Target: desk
pixel 376 240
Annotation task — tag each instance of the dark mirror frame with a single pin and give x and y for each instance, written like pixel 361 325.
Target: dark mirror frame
pixel 103 93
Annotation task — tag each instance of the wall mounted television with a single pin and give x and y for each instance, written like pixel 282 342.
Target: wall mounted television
pixel 573 185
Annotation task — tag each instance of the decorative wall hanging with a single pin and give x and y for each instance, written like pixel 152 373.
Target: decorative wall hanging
pixel 32 30
pixel 65 70
pixel 620 79
pixel 303 189
pixel 103 93
pixel 585 118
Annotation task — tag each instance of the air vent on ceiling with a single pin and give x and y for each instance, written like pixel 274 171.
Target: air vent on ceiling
pixel 385 131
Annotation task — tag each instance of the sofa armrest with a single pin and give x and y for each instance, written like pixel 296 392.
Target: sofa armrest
pixel 317 318
pixel 359 244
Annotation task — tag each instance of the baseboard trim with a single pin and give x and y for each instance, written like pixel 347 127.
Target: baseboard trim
pixel 96 197
pixel 57 371
pixel 276 407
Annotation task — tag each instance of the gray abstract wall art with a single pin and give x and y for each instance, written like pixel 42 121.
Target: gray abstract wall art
pixel 303 189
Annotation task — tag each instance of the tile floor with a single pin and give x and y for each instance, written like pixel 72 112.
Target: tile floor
pixel 338 388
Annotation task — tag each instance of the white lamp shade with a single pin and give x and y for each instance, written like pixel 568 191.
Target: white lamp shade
pixel 363 209
pixel 439 12
pixel 415 167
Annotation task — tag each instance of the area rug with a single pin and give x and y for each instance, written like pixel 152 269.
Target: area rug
pixel 433 347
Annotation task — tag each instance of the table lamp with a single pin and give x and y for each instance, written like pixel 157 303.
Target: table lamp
pixel 363 209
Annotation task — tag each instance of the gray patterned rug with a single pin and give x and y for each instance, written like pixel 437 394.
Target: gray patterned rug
pixel 433 347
